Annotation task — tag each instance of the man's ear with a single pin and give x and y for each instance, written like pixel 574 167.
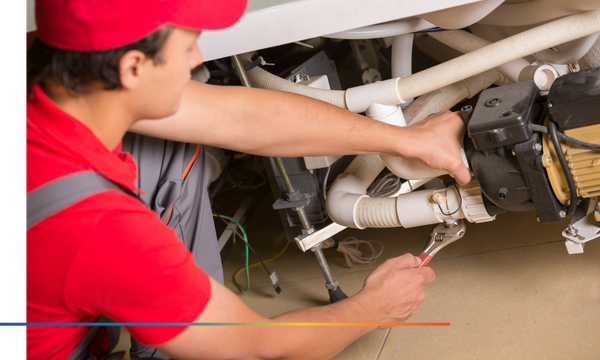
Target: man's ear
pixel 131 68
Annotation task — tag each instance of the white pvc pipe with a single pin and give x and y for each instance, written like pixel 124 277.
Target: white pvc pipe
pixel 542 37
pixel 402 46
pixel 462 16
pixel 349 187
pixel 383 30
pixel 265 80
pixel 575 52
pixel 466 43
pixel 523 13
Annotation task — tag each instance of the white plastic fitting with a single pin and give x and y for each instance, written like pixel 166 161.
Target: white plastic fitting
pixel 351 186
pixel 358 99
pixel 462 16
pixel 388 114
pixel 542 75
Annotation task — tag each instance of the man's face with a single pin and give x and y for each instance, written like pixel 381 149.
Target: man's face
pixel 163 83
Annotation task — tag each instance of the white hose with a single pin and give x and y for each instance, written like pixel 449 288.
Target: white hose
pixel 514 47
pixel 523 13
pixel 466 43
pixel 462 16
pixel 265 80
pixel 383 30
pixel 575 52
pixel 402 46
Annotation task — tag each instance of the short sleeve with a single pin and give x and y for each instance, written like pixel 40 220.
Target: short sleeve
pixel 133 268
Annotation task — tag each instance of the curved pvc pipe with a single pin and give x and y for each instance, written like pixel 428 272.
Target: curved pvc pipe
pixel 402 46
pixel 536 12
pixel 462 16
pixel 514 47
pixel 466 43
pixel 265 80
pixel 575 52
pixel 389 29
pixel 349 187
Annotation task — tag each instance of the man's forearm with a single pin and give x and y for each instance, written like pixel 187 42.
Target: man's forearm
pixel 272 123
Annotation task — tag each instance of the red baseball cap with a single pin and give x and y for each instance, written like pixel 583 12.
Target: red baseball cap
pixel 96 25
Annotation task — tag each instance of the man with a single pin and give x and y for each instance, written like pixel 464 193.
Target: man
pixel 98 69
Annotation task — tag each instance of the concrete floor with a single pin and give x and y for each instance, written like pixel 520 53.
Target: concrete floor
pixel 509 289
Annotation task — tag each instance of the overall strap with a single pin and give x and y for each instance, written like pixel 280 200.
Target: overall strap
pixel 64 192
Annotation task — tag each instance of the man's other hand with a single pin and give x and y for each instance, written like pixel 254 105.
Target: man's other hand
pixel 440 138
pixel 397 288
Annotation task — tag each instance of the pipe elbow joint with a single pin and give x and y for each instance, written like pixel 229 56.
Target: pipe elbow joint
pixel 342 199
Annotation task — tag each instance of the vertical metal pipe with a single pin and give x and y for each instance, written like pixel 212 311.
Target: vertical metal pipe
pixel 293 193
pixel 330 281
pixel 239 69
pixel 284 175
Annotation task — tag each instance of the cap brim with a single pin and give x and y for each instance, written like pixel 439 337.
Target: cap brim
pixel 207 15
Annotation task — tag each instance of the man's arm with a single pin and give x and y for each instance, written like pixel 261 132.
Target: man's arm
pixel 392 293
pixel 273 123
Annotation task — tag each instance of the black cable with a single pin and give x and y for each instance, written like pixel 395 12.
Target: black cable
pixel 221 65
pixel 436 29
pixel 459 204
pixel 567 138
pixel 223 177
pixel 565 167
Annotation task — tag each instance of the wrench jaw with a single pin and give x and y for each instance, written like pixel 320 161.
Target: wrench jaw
pixel 440 237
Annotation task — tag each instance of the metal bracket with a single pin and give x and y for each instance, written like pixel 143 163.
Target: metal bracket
pixel 288 204
pixel 306 242
pixel 583 230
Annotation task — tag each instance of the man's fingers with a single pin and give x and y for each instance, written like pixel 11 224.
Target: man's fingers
pixel 406 261
pixel 461 174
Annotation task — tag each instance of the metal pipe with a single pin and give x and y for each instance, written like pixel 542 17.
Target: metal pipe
pixel 284 176
pixel 331 283
pixel 239 69
pixel 294 194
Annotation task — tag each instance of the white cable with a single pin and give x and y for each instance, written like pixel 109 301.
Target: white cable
pixel 325 183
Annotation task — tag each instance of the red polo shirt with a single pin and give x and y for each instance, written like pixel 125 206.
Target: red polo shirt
pixel 105 255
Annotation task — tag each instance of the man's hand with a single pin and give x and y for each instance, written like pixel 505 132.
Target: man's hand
pixel 440 137
pixel 397 288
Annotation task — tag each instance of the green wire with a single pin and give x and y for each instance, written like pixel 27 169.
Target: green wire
pixel 245 243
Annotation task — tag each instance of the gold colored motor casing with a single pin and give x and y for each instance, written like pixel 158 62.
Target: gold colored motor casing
pixel 583 163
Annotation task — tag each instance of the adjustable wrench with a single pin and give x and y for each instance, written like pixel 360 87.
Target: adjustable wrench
pixel 442 235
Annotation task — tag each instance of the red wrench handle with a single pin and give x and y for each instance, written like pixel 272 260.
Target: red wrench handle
pixel 425 259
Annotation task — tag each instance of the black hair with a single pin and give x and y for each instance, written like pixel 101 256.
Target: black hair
pixel 76 70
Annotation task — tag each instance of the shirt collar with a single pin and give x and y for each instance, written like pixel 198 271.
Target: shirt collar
pixel 81 142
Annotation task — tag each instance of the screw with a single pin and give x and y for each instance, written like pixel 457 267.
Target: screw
pixel 598 207
pixel 502 193
pixel 571 230
pixel 537 147
pixel 563 214
pixel 549 105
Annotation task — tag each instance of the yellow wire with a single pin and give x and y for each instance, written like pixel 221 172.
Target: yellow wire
pixel 287 243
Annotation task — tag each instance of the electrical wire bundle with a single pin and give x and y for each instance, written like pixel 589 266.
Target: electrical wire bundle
pixel 385 186
pixel 350 248
pixel 246 267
